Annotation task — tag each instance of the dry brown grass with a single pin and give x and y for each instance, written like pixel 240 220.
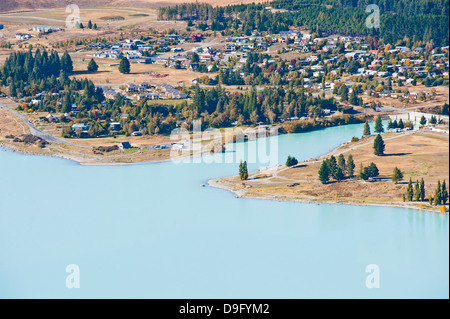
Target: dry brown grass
pixel 429 161
pixel 108 72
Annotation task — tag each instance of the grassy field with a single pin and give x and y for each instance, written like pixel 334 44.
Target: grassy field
pixel 421 154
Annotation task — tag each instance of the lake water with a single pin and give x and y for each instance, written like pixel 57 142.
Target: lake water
pixel 151 231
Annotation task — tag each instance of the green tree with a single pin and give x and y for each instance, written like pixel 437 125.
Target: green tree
pixel 341 162
pixel 366 130
pixel 344 93
pixel 417 191
pixel 379 125
pixel 124 66
pixel 378 145
pixel 67 104
pixel 438 194
pixel 350 166
pixel 291 161
pixel 423 120
pixel 89 25
pixel 195 58
pixel 243 172
pixel 353 98
pixel 397 175
pixel 422 190
pixel 92 66
pixel 324 173
pixel 444 193
pixel 339 175
pixel 372 170
pixel 66 63
pixel 433 120
pixel 409 191
pixel 332 165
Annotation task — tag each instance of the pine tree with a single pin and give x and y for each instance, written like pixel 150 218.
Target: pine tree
pixel 243 173
pixel 92 66
pixel 423 120
pixel 397 175
pixel 353 98
pixel 341 162
pixel 324 173
pixel 444 193
pixel 422 190
pixel 291 161
pixel 416 191
pixel 438 194
pixel 245 170
pixel 67 104
pixel 409 191
pixel 350 166
pixel 339 175
pixel 66 63
pixel 378 145
pixel 379 125
pixel 124 66
pixel 361 174
pixel 89 25
pixel 400 124
pixel 366 130
pixel 332 165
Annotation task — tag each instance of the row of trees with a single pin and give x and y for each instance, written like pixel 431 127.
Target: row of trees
pixel 416 192
pixel 331 16
pixel 337 169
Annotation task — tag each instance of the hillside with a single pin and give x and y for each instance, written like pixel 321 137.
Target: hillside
pixel 14 5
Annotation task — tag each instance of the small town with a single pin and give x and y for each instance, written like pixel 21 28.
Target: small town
pixel 315 108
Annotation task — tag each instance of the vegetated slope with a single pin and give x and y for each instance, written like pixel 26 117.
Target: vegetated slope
pixel 14 5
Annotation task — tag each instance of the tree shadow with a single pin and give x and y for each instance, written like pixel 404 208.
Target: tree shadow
pixel 397 154
pixel 80 72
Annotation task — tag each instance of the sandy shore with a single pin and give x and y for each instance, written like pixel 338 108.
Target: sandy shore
pixel 243 194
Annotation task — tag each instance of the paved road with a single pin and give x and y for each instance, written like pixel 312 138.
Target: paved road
pixel 37 132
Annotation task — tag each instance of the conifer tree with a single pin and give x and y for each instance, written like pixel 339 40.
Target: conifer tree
pixel 409 191
pixel 437 194
pixel 379 125
pixel 350 166
pixel 366 130
pixel 417 191
pixel 378 145
pixel 444 193
pixel 422 190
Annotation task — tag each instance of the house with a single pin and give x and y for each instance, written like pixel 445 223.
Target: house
pixel 115 126
pixel 124 145
pixel 22 36
pixel 81 126
pixel 145 60
pixel 196 37
pixel 53 118
pixel 230 47
pixel 132 88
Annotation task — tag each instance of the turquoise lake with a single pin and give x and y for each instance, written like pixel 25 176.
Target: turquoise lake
pixel 151 231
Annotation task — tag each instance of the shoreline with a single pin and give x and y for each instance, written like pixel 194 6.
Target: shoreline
pixel 216 184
